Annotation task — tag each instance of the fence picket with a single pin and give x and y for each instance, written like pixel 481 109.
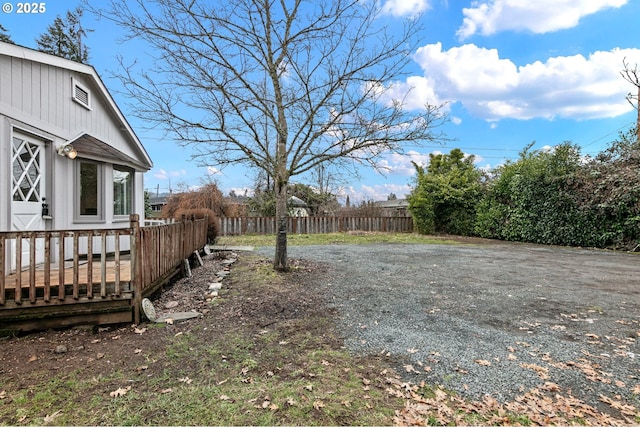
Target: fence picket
pixel 314 225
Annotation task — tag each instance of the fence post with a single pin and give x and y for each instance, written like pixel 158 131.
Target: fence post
pixel 135 241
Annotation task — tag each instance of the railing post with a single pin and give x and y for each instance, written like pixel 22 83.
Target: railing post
pixel 2 270
pixel 134 246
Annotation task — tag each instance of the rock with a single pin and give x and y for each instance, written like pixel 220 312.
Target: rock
pixel 60 349
pixel 228 261
pixel 215 286
pixel 178 317
pixel 171 304
pixel 222 273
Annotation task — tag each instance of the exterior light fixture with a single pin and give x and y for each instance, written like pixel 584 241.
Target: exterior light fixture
pixel 67 150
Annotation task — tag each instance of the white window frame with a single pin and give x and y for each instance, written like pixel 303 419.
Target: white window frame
pixel 100 214
pixel 76 84
pixel 117 168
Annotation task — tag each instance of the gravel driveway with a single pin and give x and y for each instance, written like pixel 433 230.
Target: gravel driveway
pixel 491 319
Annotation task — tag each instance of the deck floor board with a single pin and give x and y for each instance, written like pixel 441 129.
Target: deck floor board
pixel 110 266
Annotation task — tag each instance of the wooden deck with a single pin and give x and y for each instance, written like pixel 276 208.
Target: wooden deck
pixel 113 272
pixel 101 288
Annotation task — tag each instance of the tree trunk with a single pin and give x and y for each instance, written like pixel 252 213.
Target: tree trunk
pixel 280 261
pixel 638 116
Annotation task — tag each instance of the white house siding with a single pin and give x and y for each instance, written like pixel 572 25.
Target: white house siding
pixel 36 98
pixel 47 103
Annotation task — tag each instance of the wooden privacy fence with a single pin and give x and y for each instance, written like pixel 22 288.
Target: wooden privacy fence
pixel 314 225
pixel 55 270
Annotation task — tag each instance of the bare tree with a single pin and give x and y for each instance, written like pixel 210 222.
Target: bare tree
pixel 632 75
pixel 283 86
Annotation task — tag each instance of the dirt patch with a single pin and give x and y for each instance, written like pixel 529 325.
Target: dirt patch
pixel 100 349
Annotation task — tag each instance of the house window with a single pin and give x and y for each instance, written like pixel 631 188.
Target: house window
pixel 89 183
pixel 81 94
pixel 122 191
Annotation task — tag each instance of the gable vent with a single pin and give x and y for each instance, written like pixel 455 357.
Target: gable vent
pixel 81 95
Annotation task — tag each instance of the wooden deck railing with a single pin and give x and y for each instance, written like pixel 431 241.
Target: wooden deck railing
pixel 90 265
pixel 315 225
pixel 40 271
pixel 162 248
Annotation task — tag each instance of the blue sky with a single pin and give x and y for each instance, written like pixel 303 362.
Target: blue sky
pixel 511 72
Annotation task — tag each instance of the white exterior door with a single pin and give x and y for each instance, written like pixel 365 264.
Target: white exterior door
pixel 27 192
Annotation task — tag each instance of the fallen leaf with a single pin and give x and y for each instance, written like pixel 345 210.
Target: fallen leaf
pixel 512 357
pixel 168 321
pixel 291 402
pixel 224 397
pixel 3 394
pixel 346 403
pixel 33 358
pixel 482 362
pixel 273 407
pixel 50 418
pixel 142 368
pixel 283 342
pixel 186 380
pixel 140 331
pixel 325 363
pixel 409 368
pixel 137 351
pixel 120 392
pixel 318 404
pixel 412 350
pixel 99 355
pixel 309 387
pixel 166 390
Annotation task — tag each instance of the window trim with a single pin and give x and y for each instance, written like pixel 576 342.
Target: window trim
pixel 77 85
pixel 131 172
pixel 100 214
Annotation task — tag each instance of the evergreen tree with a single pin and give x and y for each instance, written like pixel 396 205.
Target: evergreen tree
pixel 4 37
pixel 64 38
pixel 446 194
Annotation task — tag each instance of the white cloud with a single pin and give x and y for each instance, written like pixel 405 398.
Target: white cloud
pixel 494 88
pixel 541 16
pixel 373 192
pixel 164 174
pixel 400 164
pixel 410 8
pixel 211 171
pixel 414 93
